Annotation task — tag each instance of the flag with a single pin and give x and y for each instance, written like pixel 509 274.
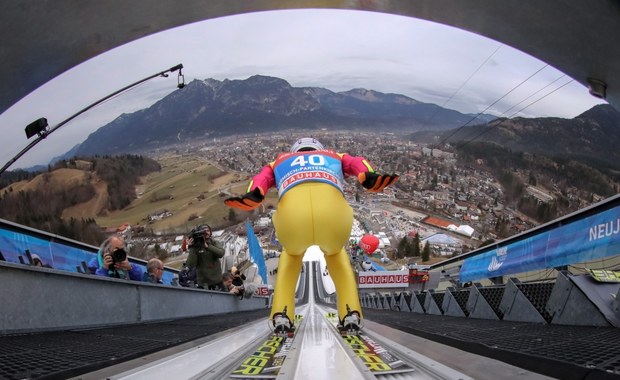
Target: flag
pixel 256 253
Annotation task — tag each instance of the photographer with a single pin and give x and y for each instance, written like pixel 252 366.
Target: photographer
pixel 112 261
pixel 227 281
pixel 204 255
pixel 237 279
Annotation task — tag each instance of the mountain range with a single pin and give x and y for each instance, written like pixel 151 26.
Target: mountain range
pixel 210 108
pixel 591 137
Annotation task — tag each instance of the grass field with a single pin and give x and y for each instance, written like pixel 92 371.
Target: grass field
pixel 186 185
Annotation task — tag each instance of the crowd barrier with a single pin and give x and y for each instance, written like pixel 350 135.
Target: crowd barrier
pixel 19 244
pixel 576 300
pixel 43 299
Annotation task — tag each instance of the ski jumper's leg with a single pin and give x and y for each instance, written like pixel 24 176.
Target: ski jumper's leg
pixel 289 268
pixel 344 280
pixel 333 219
pixel 293 225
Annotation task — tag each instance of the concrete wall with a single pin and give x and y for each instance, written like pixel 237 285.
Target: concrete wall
pixel 38 299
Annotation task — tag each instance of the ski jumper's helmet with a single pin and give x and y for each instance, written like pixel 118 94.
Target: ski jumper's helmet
pixel 305 144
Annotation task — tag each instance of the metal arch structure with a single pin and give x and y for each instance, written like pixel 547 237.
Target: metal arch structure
pixel 41 39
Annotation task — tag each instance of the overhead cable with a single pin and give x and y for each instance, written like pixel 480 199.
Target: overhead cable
pixel 464 83
pixel 455 131
pixel 514 114
pixel 509 109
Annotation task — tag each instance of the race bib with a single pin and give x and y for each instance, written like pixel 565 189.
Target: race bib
pixel 291 169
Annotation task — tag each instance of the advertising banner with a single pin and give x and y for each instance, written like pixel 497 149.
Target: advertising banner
pixel 262 291
pixel 583 240
pixel 416 275
pixel 15 246
pixel 256 252
pixel 384 279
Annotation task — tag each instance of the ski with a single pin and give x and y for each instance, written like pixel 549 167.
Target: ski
pixel 267 359
pixel 377 359
pixel 604 275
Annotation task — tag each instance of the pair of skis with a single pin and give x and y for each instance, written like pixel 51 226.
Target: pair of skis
pixel 268 358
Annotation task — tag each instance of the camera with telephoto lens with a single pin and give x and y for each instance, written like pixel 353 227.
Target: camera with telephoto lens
pixel 240 290
pixel 199 234
pixel 198 237
pixel 118 255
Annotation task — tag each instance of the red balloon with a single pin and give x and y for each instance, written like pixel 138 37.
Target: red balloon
pixel 369 243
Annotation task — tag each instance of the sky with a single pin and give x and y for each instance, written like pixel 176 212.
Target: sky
pixel 334 49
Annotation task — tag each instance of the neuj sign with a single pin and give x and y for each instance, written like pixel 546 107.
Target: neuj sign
pixel 387 279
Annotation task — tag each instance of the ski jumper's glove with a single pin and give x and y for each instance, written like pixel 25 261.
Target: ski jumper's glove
pixel 374 182
pixel 247 202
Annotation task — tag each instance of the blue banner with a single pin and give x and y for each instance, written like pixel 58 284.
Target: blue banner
pixel 15 245
pixel 583 240
pixel 256 253
pixel 55 255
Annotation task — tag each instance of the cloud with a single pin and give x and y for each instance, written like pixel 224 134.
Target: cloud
pixel 335 49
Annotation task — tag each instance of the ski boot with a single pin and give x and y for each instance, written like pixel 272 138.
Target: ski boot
pixel 282 324
pixel 351 324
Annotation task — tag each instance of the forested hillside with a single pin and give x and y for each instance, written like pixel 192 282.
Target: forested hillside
pixel 40 201
pixel 517 170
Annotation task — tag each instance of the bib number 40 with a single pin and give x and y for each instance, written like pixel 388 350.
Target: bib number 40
pixel 314 160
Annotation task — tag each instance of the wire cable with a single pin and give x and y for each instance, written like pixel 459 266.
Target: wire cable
pixel 491 105
pixel 511 116
pixel 541 98
pixel 44 132
pixel 505 112
pixel 463 84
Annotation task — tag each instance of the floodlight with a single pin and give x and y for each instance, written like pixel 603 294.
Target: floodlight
pixel 37 127
pixel 597 88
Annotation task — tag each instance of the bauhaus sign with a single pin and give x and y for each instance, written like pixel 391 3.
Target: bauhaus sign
pixel 387 279
pixel 262 291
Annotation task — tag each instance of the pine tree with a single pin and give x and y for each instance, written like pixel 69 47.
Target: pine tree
pixel 426 252
pixel 415 246
pixel 401 250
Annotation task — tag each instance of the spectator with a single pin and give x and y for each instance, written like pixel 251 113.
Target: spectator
pixel 228 286
pixel 155 270
pixel 367 265
pixel 204 256
pixel 187 276
pixel 112 261
pixel 238 277
pixel 37 262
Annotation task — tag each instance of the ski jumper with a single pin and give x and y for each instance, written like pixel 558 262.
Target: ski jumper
pixel 312 210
